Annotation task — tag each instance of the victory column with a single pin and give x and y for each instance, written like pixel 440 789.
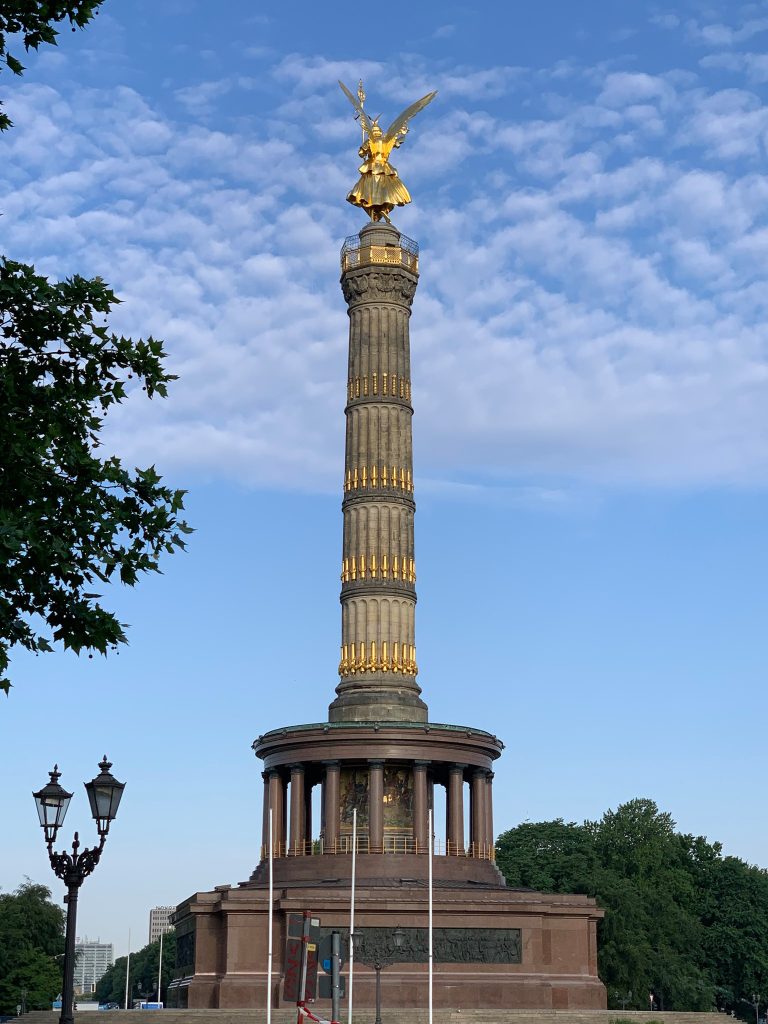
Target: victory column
pixel 378 755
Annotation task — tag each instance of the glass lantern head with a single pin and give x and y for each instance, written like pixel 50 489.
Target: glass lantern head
pixel 52 802
pixel 104 795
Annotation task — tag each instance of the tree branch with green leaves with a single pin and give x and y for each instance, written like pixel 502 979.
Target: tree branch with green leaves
pixel 34 22
pixel 71 519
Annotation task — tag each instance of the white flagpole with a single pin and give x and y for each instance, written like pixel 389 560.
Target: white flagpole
pixel 160 970
pixel 128 968
pixel 269 926
pixel 429 955
pixel 352 916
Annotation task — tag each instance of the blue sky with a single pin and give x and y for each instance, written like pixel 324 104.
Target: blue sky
pixel 589 375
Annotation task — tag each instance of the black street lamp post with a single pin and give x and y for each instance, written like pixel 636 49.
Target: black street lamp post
pixel 754 1002
pixel 104 794
pixel 378 961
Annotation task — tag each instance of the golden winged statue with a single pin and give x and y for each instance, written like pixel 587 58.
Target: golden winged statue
pixel 379 189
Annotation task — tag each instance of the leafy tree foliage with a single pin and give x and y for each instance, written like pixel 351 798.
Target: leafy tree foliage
pixel 69 519
pixel 31 944
pixel 143 978
pixel 681 921
pixel 34 21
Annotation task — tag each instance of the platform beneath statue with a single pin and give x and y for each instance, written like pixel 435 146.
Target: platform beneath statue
pixel 495 948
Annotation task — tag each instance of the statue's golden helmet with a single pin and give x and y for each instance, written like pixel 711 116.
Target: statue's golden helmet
pixel 376 131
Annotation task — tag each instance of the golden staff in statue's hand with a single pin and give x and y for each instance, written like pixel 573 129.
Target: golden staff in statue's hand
pixel 379 189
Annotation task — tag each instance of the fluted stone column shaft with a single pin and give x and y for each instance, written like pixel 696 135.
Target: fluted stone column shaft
pixel 477 812
pixel 331 802
pixel 265 816
pixel 420 806
pixel 376 806
pixel 489 809
pixel 378 568
pixel 298 809
pixel 277 803
pixel 307 812
pixel 455 809
pixel 322 808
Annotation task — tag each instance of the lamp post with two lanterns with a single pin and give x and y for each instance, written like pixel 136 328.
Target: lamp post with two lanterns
pixel 104 794
pixel 377 959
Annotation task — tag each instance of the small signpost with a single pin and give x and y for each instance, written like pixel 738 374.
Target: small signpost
pixel 331 960
pixel 300 981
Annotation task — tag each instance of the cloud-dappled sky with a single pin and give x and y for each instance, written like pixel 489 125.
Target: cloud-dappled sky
pixel 590 372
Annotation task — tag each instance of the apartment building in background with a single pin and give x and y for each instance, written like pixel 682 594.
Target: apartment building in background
pixel 159 922
pixel 92 960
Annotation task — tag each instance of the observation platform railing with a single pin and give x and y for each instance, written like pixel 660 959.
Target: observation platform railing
pixel 404 254
pixel 392 845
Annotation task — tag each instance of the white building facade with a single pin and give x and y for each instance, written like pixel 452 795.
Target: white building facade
pixel 92 961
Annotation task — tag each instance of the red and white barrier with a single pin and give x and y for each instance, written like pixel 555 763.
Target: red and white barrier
pixel 304 1012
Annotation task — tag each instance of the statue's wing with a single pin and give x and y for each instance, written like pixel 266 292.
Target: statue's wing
pixel 364 119
pixel 402 121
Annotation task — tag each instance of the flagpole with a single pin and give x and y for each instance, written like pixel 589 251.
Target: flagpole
pixel 430 951
pixel 269 926
pixel 128 968
pixel 160 970
pixel 352 916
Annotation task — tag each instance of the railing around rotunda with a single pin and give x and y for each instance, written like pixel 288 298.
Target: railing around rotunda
pixel 404 254
pixel 397 844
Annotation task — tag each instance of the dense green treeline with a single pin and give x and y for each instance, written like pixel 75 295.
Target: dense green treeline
pixel 681 920
pixel 143 977
pixel 31 948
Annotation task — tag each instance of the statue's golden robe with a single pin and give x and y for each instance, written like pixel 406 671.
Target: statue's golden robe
pixel 379 189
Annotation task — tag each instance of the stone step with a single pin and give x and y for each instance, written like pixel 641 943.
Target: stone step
pixel 394 1016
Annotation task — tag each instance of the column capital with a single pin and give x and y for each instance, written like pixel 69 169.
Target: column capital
pixel 457 768
pixel 375 762
pixel 265 775
pixel 296 768
pixel 331 764
pixel 421 764
pixel 273 773
pixel 490 776
pixel 479 773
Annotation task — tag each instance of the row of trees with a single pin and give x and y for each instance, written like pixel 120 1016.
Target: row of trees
pixel 682 921
pixel 31 948
pixel 143 976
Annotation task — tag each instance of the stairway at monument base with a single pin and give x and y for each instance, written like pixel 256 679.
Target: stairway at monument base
pixel 410 1016
pixel 500 948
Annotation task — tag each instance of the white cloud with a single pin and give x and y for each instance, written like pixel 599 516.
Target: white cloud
pixel 593 287
pixel 666 20
pixel 719 34
pixel 753 65
pixel 729 124
pixel 624 88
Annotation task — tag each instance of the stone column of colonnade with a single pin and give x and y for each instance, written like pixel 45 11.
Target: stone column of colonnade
pixel 378 570
pixel 275 797
pixel 292 821
pixel 480 812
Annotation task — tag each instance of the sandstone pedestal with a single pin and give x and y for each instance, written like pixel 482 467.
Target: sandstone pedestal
pixel 557 968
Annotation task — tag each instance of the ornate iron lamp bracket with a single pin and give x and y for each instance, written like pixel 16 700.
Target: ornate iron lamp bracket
pixel 73 868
